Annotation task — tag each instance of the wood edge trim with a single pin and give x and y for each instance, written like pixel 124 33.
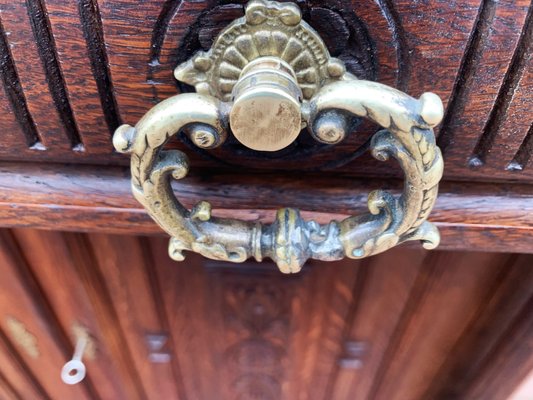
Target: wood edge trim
pixel 482 217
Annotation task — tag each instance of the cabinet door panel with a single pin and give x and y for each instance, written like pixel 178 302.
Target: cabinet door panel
pixel 129 278
pixel 404 324
pixel 52 264
pixel 30 325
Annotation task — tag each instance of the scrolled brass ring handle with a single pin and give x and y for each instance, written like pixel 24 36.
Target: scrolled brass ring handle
pixel 275 94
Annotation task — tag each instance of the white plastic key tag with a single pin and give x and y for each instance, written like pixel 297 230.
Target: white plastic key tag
pixel 74 371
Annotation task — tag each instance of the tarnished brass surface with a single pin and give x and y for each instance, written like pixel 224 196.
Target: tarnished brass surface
pixel 407 136
pixel 268 29
pixel 269 63
pixel 266 113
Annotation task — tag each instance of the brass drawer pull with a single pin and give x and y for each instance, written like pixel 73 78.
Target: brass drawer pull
pixel 268 75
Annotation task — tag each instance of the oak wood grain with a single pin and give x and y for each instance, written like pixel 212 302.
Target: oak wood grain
pixel 483 217
pixel 29 39
pixel 485 67
pixel 73 24
pixel 129 281
pixel 76 71
pixel 47 254
pixel 30 323
pixel 404 324
pixel 407 324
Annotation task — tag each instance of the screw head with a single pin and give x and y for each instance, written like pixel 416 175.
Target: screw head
pixel 204 136
pixel 330 128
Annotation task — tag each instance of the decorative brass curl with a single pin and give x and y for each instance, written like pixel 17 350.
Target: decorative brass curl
pixel 290 241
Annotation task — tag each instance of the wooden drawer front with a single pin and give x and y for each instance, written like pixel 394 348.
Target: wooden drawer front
pixel 404 324
pixel 73 71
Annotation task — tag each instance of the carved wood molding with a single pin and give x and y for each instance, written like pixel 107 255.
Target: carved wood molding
pixel 484 217
pixel 66 76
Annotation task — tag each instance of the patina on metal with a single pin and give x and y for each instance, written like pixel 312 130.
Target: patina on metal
pixel 271 62
pixel 266 111
pixel 268 64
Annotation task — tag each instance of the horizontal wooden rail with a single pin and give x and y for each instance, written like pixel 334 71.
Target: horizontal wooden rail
pixel 480 216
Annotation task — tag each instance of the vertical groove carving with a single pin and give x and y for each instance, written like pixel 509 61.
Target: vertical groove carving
pixel 42 304
pixel 400 41
pixel 162 314
pixel 420 289
pixel 21 365
pixel 358 290
pixel 15 94
pixel 467 69
pixel 168 10
pixel 94 37
pixel 56 83
pixel 523 155
pixel 510 84
pixel 164 19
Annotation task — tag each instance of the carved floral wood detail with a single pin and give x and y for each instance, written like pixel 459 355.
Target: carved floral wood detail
pixel 256 311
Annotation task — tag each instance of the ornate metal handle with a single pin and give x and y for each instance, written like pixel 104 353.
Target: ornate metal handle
pixel 267 75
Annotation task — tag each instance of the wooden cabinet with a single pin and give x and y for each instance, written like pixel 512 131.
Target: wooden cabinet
pixel 78 252
pixel 407 324
pixel 73 71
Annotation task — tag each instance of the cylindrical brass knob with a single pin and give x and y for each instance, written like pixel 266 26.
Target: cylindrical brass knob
pixel 266 111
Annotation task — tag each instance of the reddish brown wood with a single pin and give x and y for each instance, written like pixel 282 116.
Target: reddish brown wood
pixel 12 119
pixel 136 294
pixel 6 391
pixel 405 324
pixel 34 58
pixel 255 332
pixel 510 356
pixel 383 295
pixel 408 324
pixel 93 282
pixel 72 24
pixel 451 287
pixel 473 355
pixel 21 300
pixel 128 31
pixel 484 69
pixel 47 256
pixel 16 373
pixel 87 66
pixel 484 217
pixel 192 304
pixel 510 121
